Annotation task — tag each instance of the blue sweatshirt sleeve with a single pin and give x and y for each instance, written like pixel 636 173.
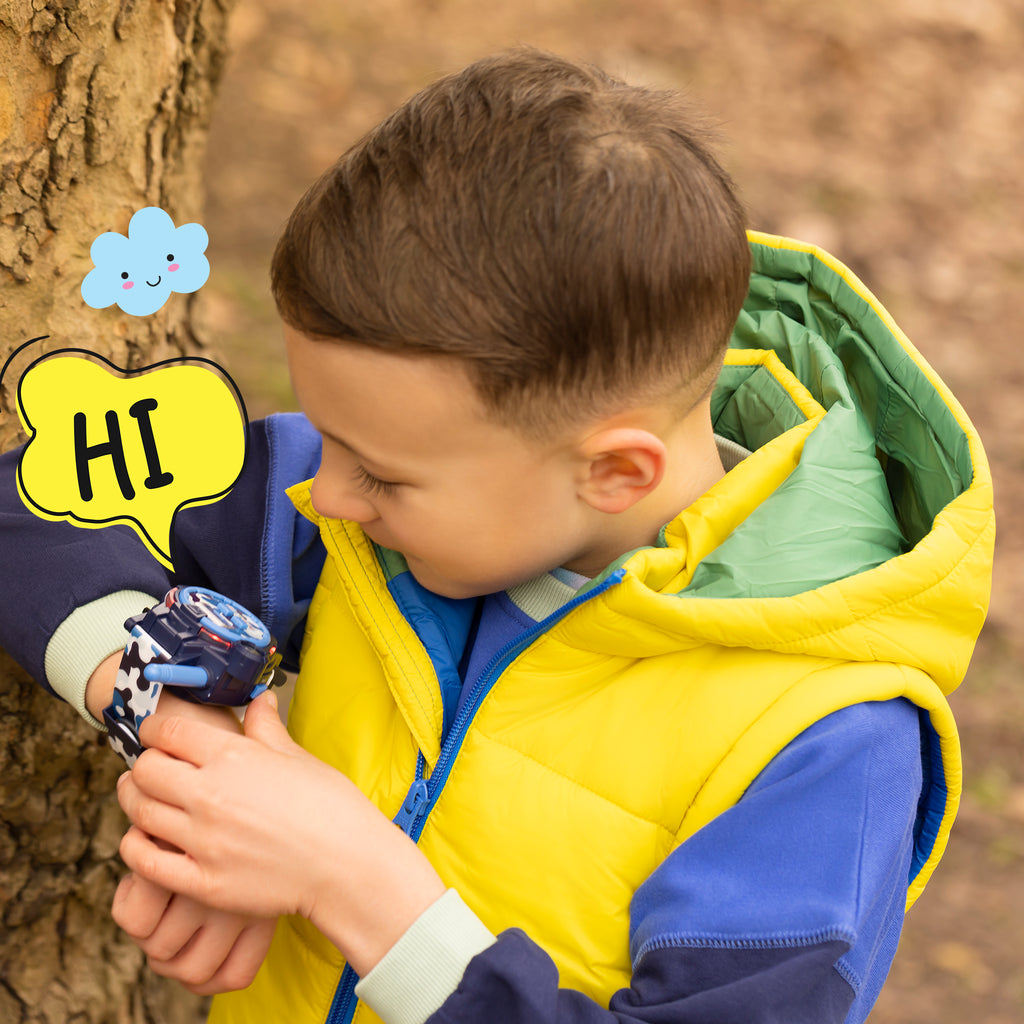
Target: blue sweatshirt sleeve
pixel 786 909
pixel 251 544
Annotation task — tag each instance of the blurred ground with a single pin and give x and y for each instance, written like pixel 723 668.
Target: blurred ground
pixel 887 131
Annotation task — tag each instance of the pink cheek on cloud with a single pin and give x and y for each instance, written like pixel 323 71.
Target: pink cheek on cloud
pixel 128 284
pixel 174 266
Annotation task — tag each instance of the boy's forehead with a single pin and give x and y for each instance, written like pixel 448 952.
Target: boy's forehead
pixel 381 405
pixel 334 364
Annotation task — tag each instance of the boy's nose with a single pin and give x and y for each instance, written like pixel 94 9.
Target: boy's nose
pixel 336 499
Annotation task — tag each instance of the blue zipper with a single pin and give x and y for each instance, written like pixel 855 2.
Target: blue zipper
pixel 422 795
pixel 415 800
pixel 343 1006
pixel 415 819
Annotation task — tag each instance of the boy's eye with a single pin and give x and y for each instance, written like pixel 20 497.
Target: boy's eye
pixel 372 484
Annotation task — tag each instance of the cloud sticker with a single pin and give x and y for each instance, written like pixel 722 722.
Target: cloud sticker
pixel 139 272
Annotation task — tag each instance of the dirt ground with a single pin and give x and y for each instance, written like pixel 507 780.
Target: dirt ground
pixel 887 131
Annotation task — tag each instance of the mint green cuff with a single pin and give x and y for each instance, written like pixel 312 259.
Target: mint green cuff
pixel 87 636
pixel 425 966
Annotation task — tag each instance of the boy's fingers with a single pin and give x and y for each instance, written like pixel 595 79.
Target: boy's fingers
pixel 263 723
pixel 154 817
pixel 139 906
pixel 188 937
pixel 184 738
pixel 241 964
pixel 160 776
pixel 167 868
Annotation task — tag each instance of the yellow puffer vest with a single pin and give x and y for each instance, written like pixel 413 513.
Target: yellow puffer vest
pixel 628 723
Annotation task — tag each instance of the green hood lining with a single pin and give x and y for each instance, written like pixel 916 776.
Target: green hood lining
pixel 922 448
pixel 832 517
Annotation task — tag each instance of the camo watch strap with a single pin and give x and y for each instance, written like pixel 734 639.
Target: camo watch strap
pixel 135 696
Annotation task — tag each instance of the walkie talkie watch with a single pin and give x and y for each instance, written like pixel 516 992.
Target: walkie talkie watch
pixel 207 647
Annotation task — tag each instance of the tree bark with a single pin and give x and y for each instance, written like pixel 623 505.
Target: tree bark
pixel 104 109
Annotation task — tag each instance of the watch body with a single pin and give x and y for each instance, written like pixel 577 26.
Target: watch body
pixel 209 648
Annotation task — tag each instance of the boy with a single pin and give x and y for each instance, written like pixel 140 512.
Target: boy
pixel 663 742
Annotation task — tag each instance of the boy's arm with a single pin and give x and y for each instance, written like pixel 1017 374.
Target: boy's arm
pixel 70 589
pixel 67 595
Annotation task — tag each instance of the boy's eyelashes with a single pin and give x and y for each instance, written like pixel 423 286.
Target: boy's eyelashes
pixel 371 484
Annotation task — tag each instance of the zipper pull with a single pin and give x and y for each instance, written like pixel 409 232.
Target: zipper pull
pixel 415 801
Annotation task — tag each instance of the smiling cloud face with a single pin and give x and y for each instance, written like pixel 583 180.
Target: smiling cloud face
pixel 140 272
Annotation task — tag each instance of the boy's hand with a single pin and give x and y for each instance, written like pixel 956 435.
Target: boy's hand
pixel 208 951
pixel 264 828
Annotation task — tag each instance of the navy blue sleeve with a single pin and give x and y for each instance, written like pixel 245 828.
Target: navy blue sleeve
pixel 786 909
pixel 515 982
pixel 251 545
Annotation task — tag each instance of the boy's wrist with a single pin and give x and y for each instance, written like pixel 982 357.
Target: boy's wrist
pixel 83 642
pixel 396 885
pixel 424 967
pixel 99 690
pixel 99 694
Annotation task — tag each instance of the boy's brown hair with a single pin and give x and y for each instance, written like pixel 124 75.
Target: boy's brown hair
pixel 566 235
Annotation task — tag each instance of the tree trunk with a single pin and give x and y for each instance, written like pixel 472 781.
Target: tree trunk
pixel 104 108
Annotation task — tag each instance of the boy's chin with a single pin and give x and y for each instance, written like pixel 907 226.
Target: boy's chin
pixel 435 583
pixel 445 587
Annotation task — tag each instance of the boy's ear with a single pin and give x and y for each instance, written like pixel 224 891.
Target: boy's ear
pixel 620 466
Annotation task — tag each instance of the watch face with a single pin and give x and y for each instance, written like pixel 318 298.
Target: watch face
pixel 223 617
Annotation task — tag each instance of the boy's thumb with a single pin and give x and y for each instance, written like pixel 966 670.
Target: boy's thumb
pixel 263 723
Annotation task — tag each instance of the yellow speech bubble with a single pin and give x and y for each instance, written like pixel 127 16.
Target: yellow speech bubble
pixel 109 445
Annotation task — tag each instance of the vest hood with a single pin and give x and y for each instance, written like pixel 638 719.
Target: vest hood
pixel 861 528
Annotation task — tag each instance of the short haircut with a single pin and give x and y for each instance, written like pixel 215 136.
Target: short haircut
pixel 568 236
